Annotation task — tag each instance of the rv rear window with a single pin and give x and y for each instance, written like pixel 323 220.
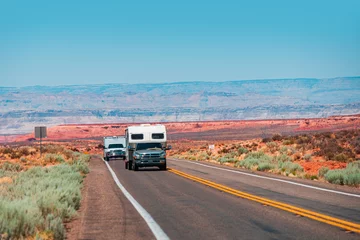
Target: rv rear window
pixel 116 146
pixel 137 136
pixel 157 136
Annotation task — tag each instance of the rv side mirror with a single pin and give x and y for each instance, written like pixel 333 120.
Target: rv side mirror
pixel 168 147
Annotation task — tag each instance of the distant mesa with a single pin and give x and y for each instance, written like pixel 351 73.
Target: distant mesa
pixel 23 108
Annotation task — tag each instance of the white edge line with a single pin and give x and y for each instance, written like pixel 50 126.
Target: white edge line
pixel 154 227
pixel 273 179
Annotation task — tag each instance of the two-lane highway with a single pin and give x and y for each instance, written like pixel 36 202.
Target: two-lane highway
pixel 185 209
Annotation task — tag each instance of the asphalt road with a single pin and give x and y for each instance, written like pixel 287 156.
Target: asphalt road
pixel 188 210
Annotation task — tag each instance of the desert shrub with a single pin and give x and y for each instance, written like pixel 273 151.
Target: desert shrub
pixel 7 150
pixel 348 176
pixel 53 158
pixel 12 167
pixel 273 146
pixel 307 157
pixel 227 160
pixel 303 139
pixel 23 159
pixel 288 142
pixel 277 137
pixel 259 160
pixel 291 151
pixel 203 156
pixel 323 171
pixel 15 154
pixel 40 199
pixel 265 166
pixel 265 140
pixel 282 158
pixel 290 167
pixel 52 148
pixel 242 150
pixel 341 158
pixel 231 155
pixel 24 151
pixel 223 150
pixel 55 225
pixel 283 150
pixel 311 177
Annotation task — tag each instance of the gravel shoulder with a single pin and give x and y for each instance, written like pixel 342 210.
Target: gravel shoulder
pixel 105 213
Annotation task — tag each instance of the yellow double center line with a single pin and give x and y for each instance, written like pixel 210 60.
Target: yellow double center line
pixel 349 226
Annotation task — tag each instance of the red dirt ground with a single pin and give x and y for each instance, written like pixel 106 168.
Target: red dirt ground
pixel 216 130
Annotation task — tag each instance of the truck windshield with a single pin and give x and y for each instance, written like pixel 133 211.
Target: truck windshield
pixel 144 146
pixel 116 146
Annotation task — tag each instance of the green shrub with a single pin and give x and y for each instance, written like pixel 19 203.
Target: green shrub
pixel 41 199
pixel 288 142
pixel 323 171
pixel 53 158
pixel 283 150
pixel 203 156
pixel 348 176
pixel 341 158
pixel 282 158
pixel 290 167
pixel 265 166
pixel 277 137
pixel 273 146
pixel 257 155
pixel 13 167
pixel 242 150
pixel 260 160
pixel 307 157
pixel 226 160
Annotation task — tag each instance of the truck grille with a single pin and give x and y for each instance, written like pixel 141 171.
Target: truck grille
pixel 151 155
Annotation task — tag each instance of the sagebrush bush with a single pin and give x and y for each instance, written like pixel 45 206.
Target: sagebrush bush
pixel 242 150
pixel 53 158
pixel 307 157
pixel 13 167
pixel 258 160
pixel 348 176
pixel 290 167
pixel 282 158
pixel 227 160
pixel 41 199
pixel 203 156
pixel 323 171
pixel 273 146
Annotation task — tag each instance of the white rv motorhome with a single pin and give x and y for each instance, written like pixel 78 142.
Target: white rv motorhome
pixel 114 147
pixel 146 146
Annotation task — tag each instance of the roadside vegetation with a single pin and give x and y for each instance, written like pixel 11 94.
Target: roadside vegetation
pixel 331 156
pixel 38 194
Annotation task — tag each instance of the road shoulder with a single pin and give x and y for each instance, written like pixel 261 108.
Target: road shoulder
pixel 105 213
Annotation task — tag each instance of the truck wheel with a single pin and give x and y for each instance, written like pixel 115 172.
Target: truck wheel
pixel 135 167
pixel 107 159
pixel 130 165
pixel 163 168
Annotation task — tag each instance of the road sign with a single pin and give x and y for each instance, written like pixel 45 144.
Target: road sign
pixel 40 132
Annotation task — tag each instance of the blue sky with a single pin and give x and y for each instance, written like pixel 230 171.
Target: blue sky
pixel 85 42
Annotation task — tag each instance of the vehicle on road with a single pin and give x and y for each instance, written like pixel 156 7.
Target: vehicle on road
pixel 146 146
pixel 114 147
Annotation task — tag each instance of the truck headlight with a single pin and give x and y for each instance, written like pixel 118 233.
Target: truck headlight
pixel 163 155
pixel 136 156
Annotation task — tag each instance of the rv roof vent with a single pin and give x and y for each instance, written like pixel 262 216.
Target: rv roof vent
pixel 144 125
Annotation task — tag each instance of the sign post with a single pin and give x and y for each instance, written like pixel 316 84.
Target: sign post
pixel 40 132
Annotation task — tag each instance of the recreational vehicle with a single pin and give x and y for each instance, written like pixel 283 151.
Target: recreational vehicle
pixel 146 146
